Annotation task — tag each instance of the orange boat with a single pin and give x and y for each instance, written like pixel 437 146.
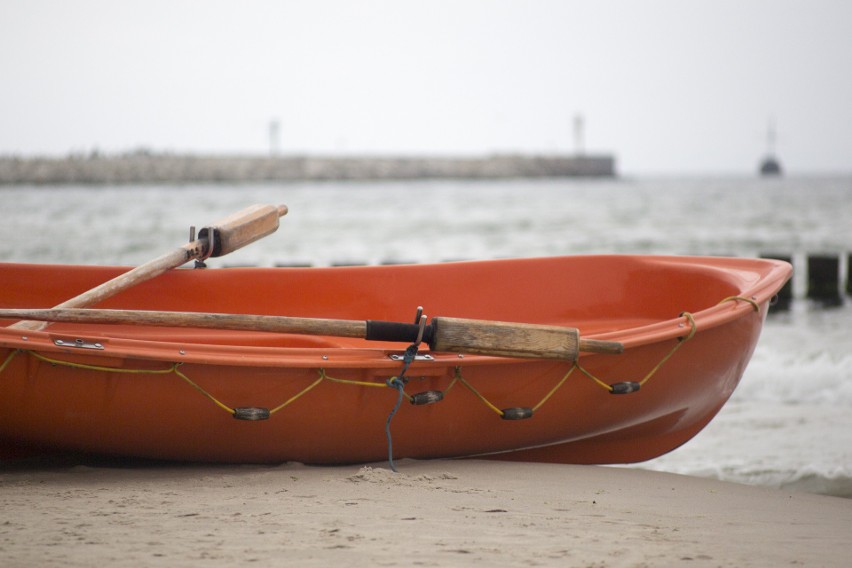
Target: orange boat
pixel 169 389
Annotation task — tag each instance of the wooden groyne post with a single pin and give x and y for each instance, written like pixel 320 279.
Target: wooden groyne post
pixel 849 274
pixel 784 298
pixel 824 279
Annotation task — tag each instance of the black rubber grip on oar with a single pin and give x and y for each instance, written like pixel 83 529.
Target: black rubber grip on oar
pixel 395 331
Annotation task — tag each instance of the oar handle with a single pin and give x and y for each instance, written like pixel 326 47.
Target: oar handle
pixel 509 339
pixel 601 346
pixel 486 337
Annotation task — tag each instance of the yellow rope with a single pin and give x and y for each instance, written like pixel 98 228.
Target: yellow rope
pixel 591 376
pixel 99 368
pixel 681 340
pixel 296 396
pixel 173 369
pixel 216 401
pixel 323 376
pixel 454 381
pixel 476 392
pixel 9 359
pixel 554 389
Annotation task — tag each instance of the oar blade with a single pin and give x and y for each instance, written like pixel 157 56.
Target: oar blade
pixel 242 228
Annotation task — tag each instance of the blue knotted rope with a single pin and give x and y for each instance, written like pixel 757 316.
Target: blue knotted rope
pixel 398 383
pixel 393 382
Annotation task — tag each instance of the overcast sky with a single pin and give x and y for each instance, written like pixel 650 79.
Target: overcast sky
pixel 668 86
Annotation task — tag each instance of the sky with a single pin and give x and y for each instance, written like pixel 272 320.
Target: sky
pixel 667 86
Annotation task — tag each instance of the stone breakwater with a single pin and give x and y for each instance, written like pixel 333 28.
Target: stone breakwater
pixel 173 168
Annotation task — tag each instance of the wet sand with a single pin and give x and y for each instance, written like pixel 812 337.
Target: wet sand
pixel 431 513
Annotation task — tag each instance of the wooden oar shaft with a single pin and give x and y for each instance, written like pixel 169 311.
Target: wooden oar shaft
pixel 220 238
pixel 236 322
pixel 601 346
pixel 455 335
pixel 147 271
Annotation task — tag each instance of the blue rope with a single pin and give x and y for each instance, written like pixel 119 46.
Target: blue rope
pixel 398 383
pixel 395 383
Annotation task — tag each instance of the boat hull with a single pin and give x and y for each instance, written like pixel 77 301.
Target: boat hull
pixel 169 393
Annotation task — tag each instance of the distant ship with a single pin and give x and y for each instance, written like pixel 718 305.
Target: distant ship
pixel 770 166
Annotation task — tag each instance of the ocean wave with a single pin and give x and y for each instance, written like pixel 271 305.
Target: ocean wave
pixel 835 482
pixel 839 486
pixel 791 366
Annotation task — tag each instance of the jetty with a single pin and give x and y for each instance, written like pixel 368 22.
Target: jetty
pixel 143 167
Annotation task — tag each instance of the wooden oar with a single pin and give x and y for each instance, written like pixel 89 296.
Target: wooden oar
pixel 454 335
pixel 220 238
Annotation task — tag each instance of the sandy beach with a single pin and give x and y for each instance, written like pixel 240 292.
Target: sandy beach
pixel 431 513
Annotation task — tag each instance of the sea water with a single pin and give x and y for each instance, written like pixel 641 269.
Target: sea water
pixel 789 423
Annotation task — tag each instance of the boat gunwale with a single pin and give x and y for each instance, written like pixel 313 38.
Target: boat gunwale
pixel 768 277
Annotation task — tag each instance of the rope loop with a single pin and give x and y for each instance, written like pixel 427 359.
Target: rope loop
pixel 692 328
pixel 751 301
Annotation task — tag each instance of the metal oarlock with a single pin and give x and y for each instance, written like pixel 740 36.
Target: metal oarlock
pixel 420 320
pixel 208 250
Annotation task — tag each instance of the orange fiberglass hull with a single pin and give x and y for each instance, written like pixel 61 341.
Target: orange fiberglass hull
pixel 169 393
